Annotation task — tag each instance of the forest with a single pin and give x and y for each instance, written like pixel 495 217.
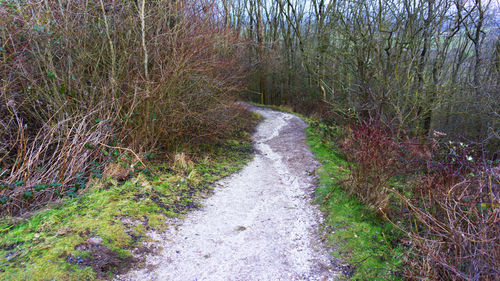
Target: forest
pixel 407 90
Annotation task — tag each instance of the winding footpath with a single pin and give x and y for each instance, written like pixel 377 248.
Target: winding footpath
pixel 260 224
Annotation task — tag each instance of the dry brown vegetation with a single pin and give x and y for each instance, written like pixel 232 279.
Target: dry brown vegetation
pixel 443 197
pixel 86 81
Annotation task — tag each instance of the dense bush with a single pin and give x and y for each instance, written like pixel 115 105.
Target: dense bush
pixel 455 216
pixel 373 155
pixel 376 156
pixel 81 80
pixel 443 195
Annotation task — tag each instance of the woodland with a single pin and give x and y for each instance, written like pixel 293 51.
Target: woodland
pixel 407 90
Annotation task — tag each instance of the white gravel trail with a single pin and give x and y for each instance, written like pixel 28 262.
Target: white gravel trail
pixel 260 224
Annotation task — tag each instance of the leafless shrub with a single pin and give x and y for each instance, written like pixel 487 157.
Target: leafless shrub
pixel 77 75
pixel 455 219
pixel 446 201
pixel 376 156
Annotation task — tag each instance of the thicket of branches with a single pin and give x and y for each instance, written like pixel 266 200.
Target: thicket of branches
pixel 443 196
pixel 82 81
pixel 417 65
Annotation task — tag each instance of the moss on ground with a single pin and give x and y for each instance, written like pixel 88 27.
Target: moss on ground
pixel 366 242
pixel 53 243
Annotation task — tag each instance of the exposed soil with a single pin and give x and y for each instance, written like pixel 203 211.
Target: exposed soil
pixel 260 224
pixel 102 260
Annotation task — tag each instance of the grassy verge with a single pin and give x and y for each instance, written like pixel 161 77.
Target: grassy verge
pixel 361 238
pixel 91 237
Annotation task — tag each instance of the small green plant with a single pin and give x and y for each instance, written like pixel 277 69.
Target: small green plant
pixel 95 169
pixel 149 156
pixel 28 194
pixel 72 192
pixel 40 186
pixel 18 182
pixel 80 181
pixel 55 184
pixel 89 146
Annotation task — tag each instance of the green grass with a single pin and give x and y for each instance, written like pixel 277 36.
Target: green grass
pixel 41 246
pixel 359 236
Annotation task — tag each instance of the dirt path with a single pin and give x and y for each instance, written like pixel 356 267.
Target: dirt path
pixel 259 224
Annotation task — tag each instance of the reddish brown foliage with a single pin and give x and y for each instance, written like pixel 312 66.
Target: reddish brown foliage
pixel 376 157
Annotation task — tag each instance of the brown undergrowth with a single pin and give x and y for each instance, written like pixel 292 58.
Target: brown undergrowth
pixel 85 83
pixel 442 195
